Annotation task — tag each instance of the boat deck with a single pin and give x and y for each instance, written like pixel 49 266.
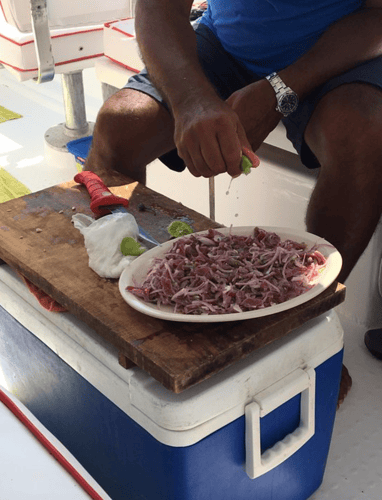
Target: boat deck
pixel 354 470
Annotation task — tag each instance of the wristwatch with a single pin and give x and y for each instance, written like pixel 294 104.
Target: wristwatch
pixel 287 100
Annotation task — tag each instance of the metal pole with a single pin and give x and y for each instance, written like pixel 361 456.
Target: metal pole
pixel 74 103
pixel 76 126
pixel 211 181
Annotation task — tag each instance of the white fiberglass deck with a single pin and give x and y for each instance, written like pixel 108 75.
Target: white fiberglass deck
pixel 354 470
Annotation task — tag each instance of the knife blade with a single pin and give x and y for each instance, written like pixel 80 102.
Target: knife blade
pixel 103 201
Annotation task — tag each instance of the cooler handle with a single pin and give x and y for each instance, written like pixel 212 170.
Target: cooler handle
pixel 299 381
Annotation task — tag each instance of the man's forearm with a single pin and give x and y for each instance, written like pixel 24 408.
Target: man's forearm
pixel 353 40
pixel 168 45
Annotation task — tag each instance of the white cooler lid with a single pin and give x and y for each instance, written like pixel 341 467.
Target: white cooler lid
pixel 173 419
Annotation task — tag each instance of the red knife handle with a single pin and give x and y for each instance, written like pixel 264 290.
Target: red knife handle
pixel 101 196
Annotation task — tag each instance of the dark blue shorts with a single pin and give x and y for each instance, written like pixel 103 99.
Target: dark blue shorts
pixel 228 75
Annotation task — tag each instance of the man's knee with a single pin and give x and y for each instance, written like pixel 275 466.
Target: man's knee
pixel 117 112
pixel 132 130
pixel 347 125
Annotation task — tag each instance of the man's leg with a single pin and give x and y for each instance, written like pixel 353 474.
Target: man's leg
pixel 132 129
pixel 345 134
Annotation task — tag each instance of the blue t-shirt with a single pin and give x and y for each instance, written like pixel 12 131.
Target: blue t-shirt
pixel 268 35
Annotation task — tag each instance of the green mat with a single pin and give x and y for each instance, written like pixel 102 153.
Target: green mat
pixel 10 187
pixel 6 115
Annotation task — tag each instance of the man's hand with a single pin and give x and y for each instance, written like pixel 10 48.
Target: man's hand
pixel 209 137
pixel 255 106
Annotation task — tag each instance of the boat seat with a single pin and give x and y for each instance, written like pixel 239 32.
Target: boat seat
pixel 42 38
pixel 121 56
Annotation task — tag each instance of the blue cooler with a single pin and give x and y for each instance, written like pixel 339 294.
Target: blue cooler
pixel 260 429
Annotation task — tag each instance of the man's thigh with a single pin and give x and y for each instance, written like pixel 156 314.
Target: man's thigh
pixel 345 128
pixel 368 75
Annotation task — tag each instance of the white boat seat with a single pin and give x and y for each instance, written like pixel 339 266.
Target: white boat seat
pixel 120 44
pixel 67 14
pixel 42 38
pixel 121 56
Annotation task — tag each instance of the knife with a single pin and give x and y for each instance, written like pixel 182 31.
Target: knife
pixel 103 201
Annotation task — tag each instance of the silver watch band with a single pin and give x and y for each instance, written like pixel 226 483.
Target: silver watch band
pixel 276 82
pixel 287 99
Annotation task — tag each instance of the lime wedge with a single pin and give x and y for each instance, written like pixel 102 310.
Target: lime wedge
pixel 246 165
pixel 131 247
pixel 179 228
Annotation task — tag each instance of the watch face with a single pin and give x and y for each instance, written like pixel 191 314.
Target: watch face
pixel 288 103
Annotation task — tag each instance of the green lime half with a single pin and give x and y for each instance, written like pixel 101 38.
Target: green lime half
pixel 246 165
pixel 179 228
pixel 131 247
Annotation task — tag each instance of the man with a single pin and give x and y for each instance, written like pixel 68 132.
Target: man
pixel 212 98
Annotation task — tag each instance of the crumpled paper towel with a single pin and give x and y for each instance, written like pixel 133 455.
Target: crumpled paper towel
pixel 103 239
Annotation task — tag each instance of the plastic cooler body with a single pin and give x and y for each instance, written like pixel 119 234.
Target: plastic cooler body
pixel 128 461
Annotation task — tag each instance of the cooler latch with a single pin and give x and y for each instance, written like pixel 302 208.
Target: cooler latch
pixel 299 381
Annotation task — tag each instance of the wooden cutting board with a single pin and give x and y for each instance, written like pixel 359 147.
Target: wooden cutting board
pixel 38 239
